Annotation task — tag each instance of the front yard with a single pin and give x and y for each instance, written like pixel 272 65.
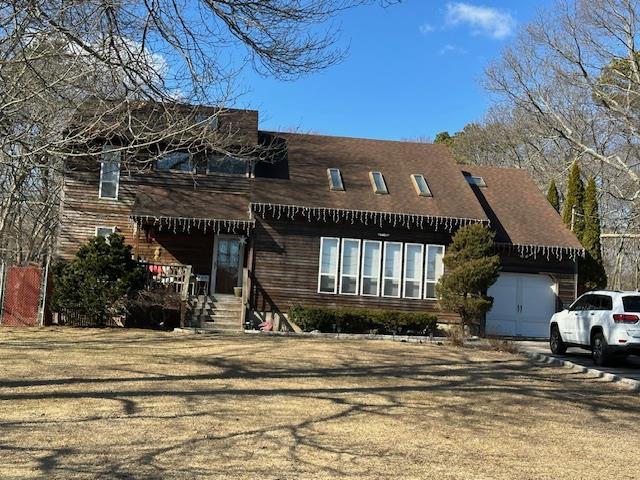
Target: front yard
pixel 149 405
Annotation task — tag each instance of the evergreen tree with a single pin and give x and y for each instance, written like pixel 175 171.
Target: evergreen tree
pixel 443 137
pixel 574 201
pixel 471 267
pixel 553 196
pixel 99 279
pixel 593 275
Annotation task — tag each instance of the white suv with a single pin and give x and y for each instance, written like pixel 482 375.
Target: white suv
pixel 605 322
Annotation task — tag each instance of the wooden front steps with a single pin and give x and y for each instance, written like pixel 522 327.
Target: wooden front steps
pixel 219 313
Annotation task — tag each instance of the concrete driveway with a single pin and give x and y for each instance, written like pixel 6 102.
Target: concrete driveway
pixel 625 368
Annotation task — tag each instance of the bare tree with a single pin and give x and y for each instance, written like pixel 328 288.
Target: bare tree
pixel 77 75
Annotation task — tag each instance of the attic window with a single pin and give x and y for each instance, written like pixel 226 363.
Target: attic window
pixel 335 179
pixel 420 185
pixel 474 180
pixel 378 184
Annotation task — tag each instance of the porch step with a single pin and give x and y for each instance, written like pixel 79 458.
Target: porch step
pixel 216 313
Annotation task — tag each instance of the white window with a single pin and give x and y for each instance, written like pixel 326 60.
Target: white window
pixel 420 184
pixel 104 231
pixel 335 179
pixel 177 161
pixel 433 270
pixel 328 275
pixel 109 173
pixel 413 261
pixel 349 266
pixel 371 256
pixel 392 269
pixel 378 183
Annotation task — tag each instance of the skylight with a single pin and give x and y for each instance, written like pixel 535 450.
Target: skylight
pixel 420 184
pixel 335 179
pixel 474 180
pixel 377 182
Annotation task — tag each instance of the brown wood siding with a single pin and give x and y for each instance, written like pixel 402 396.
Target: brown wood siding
pixel 287 256
pixel 286 266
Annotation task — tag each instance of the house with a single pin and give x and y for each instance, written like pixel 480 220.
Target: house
pixel 323 221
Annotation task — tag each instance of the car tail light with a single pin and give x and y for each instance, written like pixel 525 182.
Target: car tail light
pixel 625 318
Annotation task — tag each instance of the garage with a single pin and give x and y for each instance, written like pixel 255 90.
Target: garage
pixel 522 305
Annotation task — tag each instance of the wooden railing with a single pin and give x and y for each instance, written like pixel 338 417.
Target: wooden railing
pixel 174 277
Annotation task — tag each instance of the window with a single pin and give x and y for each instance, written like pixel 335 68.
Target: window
pixel 109 173
pixel 433 270
pixel 581 303
pixel 217 163
pixel 104 231
pixel 335 179
pixel 631 303
pixel 206 119
pixel 420 184
pixel 378 184
pixel 392 269
pixel 477 181
pixel 413 261
pixel 178 161
pixel 350 266
pixel 371 254
pixel 328 276
pixel 601 302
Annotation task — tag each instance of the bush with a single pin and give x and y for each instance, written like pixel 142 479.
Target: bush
pixel 157 309
pixel 361 320
pixel 99 281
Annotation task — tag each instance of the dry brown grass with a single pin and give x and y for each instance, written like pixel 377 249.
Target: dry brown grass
pixel 148 405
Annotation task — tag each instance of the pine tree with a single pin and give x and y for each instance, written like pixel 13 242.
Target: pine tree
pixel 553 196
pixel 593 275
pixel 574 198
pixel 99 279
pixel 471 267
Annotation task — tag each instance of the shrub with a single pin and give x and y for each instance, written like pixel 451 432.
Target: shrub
pixel 99 280
pixel 157 309
pixel 360 320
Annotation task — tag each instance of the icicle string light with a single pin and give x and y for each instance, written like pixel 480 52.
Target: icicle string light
pixel 183 224
pixel 335 215
pixel 546 251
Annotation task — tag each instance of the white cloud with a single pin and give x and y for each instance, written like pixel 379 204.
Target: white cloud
pixel 426 28
pixel 449 48
pixel 483 20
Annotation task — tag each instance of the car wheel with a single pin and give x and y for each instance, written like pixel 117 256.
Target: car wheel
pixel 600 349
pixel 556 344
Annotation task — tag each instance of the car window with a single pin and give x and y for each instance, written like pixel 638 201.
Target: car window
pixel 631 303
pixel 581 304
pixel 601 302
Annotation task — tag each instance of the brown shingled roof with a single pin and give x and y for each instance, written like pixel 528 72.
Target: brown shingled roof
pixel 518 210
pixel 185 203
pixel 309 157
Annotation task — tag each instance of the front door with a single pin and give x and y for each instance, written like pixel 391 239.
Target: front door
pixel 227 264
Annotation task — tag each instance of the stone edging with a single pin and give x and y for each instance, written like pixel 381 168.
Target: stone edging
pixel 354 336
pixel 627 383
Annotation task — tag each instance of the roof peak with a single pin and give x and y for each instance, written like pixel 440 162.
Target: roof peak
pixel 346 137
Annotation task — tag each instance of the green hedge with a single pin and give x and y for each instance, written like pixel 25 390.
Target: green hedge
pixel 360 320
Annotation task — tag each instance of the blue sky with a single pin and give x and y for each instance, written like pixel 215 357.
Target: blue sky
pixel 412 70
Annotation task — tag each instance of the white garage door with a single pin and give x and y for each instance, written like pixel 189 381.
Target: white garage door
pixel 522 305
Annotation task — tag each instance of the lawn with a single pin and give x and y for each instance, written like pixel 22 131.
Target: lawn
pixel 148 405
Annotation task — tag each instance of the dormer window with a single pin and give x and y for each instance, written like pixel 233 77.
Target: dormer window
pixel 378 183
pixel 335 180
pixel 218 163
pixel 420 184
pixel 176 161
pixel 475 180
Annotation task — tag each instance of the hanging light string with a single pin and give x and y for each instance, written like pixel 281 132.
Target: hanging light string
pixel 366 217
pixel 526 251
pixel 185 224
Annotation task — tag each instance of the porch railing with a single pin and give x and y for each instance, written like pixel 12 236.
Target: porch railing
pixel 173 277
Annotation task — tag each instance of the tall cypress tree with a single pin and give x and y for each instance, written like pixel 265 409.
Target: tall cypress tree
pixel 593 272
pixel 574 198
pixel 553 196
